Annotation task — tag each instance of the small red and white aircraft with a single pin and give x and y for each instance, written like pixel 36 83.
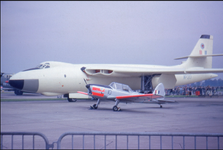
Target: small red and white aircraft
pixel 119 92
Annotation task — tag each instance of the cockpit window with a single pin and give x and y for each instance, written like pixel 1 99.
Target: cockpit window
pixel 41 66
pixel 126 88
pixel 46 65
pixel 113 85
pixel 120 86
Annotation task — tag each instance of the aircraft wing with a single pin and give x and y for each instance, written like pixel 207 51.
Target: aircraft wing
pixel 144 99
pixel 142 96
pixel 138 98
pixel 131 71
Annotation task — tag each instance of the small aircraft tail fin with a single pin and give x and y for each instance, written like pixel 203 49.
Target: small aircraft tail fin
pixel 159 90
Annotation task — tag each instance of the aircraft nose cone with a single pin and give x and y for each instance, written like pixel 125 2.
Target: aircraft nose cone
pixel 28 85
pixel 17 83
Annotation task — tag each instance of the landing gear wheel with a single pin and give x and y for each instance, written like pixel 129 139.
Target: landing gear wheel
pixel 161 106
pixel 18 92
pixel 71 99
pixel 115 108
pixel 95 106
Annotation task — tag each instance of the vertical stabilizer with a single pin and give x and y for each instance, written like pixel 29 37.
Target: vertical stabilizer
pixel 199 56
pixel 204 46
pixel 159 90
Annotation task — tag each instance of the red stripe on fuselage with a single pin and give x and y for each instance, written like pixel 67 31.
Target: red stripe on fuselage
pixel 97 89
pixel 97 94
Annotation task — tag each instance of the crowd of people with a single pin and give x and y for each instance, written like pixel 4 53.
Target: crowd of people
pixel 200 90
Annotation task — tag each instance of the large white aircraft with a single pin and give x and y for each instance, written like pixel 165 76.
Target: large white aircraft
pixel 59 78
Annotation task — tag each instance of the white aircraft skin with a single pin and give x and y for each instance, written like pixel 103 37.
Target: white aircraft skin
pixel 59 78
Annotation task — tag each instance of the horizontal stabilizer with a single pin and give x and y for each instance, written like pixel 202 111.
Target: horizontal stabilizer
pixel 166 101
pixel 163 101
pixel 198 56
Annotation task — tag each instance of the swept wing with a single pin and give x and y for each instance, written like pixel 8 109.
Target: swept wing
pixel 131 71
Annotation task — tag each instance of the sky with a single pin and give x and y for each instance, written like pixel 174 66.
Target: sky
pixel 107 32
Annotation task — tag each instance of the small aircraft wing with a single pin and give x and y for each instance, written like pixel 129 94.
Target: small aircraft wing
pixel 149 98
pixel 141 96
pixel 156 97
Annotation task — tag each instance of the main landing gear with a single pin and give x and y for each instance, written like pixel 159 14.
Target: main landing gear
pixel 116 108
pixel 95 106
pixel 18 92
pixel 71 99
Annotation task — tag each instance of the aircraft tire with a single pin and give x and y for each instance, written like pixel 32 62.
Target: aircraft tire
pixel 18 92
pixel 115 108
pixel 94 106
pixel 71 99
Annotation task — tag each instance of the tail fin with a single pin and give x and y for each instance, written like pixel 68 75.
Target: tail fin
pixel 159 90
pixel 204 46
pixel 201 56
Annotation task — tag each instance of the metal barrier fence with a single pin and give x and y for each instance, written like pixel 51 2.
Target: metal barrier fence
pixel 22 143
pixel 212 141
pixel 117 140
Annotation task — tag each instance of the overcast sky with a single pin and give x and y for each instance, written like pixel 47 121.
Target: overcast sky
pixel 129 32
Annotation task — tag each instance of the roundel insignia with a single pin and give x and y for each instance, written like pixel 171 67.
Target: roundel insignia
pixel 202 45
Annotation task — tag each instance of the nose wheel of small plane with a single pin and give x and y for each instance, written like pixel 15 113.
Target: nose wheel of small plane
pixel 161 106
pixel 115 108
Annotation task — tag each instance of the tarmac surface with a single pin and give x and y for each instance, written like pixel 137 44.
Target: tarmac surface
pixel 55 117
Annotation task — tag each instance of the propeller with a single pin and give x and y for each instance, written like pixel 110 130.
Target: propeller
pixel 85 81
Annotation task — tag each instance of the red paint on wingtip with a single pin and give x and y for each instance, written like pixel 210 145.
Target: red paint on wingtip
pixel 82 92
pixel 143 95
